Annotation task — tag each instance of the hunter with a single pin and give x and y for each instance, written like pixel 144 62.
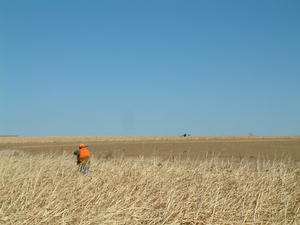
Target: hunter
pixel 83 158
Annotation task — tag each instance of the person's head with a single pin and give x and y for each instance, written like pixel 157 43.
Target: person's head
pixel 81 146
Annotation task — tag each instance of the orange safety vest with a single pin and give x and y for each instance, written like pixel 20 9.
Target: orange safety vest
pixel 84 152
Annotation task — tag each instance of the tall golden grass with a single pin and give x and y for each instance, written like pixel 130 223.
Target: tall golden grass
pixel 48 189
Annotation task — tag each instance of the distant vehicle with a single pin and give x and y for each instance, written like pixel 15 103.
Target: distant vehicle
pixel 185 135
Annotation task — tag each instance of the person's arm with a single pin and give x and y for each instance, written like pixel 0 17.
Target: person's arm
pixel 76 152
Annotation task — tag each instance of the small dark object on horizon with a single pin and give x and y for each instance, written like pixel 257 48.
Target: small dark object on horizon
pixel 185 135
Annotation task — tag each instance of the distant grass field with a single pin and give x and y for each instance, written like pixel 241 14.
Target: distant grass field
pixel 51 139
pixel 48 189
pixel 136 146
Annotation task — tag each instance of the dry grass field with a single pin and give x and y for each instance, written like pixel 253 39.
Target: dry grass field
pixel 193 147
pixel 151 180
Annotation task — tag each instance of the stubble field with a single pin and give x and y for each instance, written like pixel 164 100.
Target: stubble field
pixel 151 180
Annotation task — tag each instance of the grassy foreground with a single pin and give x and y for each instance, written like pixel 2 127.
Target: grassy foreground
pixel 48 189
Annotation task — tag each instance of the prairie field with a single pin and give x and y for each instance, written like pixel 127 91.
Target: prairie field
pixel 151 180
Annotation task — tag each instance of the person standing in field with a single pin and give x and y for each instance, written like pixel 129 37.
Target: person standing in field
pixel 83 158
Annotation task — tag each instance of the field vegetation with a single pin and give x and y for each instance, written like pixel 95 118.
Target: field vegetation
pixel 48 189
pixel 66 139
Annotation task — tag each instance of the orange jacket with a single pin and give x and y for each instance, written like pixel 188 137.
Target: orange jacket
pixel 83 152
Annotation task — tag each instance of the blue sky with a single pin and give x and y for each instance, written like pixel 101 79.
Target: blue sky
pixel 149 67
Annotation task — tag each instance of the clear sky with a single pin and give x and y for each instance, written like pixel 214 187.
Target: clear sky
pixel 157 67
